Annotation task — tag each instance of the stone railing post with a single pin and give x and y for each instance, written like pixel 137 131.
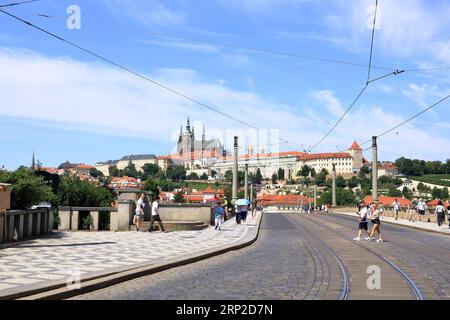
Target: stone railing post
pixel 95 220
pixel 121 220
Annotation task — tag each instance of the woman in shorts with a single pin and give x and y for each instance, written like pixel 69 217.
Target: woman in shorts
pixel 376 223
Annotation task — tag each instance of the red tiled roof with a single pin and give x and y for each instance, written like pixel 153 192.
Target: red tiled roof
pixel 387 201
pixel 435 202
pixel 83 166
pixel 338 155
pixel 284 199
pixel 355 146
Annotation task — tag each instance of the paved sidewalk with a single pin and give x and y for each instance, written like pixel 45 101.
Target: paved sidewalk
pixel 49 263
pixel 426 226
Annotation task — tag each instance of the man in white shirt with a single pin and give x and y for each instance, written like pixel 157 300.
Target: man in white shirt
pixel 396 206
pixel 155 215
pixel 421 207
pixel 362 222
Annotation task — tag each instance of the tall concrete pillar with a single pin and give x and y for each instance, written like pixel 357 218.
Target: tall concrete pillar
pixel 246 182
pixel 334 185
pixel 374 169
pixel 315 197
pixel 235 170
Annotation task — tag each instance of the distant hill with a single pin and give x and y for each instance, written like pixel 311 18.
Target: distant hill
pixel 437 179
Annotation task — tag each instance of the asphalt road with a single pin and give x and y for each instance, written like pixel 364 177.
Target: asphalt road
pixel 306 257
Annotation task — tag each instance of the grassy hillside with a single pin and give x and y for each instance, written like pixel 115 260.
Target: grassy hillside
pixel 438 179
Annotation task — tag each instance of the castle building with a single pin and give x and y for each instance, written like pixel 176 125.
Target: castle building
pixel 194 154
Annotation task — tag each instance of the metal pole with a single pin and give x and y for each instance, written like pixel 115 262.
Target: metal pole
pixel 251 192
pixel 235 170
pixel 374 169
pixel 246 182
pixel 334 185
pixel 315 197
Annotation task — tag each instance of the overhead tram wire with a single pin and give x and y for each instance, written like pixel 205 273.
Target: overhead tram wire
pixel 266 51
pixel 372 41
pixel 98 56
pixel 16 3
pixel 368 82
pixel 408 120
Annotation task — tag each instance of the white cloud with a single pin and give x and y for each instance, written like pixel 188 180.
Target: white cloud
pixel 330 101
pixel 147 12
pixel 91 97
pixel 196 47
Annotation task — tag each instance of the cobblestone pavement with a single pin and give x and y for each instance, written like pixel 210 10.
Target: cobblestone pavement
pixel 286 264
pixel 55 258
pixel 424 256
pixel 278 266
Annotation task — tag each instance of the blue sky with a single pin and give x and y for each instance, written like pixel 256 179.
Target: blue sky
pixel 70 106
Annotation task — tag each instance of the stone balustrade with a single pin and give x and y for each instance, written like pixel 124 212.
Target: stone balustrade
pixel 25 224
pixel 389 212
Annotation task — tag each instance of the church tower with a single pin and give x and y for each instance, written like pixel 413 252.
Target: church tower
pixel 357 153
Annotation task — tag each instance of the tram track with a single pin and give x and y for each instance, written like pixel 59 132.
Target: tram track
pixel 413 287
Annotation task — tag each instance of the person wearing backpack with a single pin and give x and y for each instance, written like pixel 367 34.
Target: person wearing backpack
pixel 440 213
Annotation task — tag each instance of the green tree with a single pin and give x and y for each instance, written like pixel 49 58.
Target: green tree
pixel 93 172
pixel 258 177
pixel 204 176
pixel 274 177
pixel 179 198
pixel 407 193
pixel 281 174
pixel 229 175
pixel 78 193
pixel 176 173
pixel 153 186
pixel 321 177
pixel 353 182
pixel 444 193
pixel 305 171
pixel 343 197
pixel 193 176
pixel 436 193
pixel 313 173
pixel 114 171
pixel 130 170
pixel 150 170
pixel 213 173
pixel 27 189
pixel 394 192
pixel 340 182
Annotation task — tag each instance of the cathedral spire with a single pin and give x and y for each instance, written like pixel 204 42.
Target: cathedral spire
pixel 188 126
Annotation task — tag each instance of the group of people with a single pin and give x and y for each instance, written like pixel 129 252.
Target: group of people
pixel 374 212
pixel 417 206
pixel 139 214
pixel 241 211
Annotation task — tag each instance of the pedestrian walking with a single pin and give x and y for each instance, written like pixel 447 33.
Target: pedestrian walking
pixel 218 215
pixel 396 207
pixel 381 210
pixel 440 214
pixel 237 210
pixel 155 215
pixel 139 212
pixel 244 212
pixel 448 213
pixel 421 207
pixel 254 205
pixel 412 208
pixel 363 223
pixel 376 223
